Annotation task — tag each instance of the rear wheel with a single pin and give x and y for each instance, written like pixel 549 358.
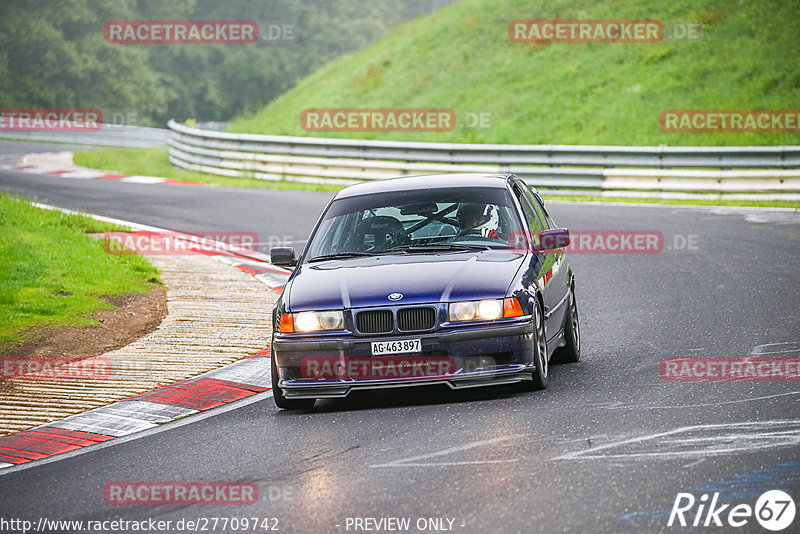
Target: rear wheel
pixel 571 351
pixel 280 400
pixel 540 358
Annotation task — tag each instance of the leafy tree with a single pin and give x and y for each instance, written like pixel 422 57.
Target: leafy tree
pixel 53 53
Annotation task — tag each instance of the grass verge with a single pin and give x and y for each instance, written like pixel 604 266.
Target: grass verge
pixel 54 274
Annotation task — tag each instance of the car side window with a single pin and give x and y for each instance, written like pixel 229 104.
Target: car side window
pixel 541 213
pixel 534 223
pixel 544 219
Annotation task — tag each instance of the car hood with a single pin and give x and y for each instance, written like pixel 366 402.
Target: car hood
pixel 420 278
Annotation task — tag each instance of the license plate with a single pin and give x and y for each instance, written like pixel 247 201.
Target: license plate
pixel 400 346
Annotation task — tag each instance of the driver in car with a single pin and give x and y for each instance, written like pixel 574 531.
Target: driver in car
pixel 471 217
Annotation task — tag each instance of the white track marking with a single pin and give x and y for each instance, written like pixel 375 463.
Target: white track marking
pixel 100 421
pixel 692 464
pixel 444 464
pixel 731 438
pixel 102 218
pixel 413 461
pixel 264 258
pixel 783 347
pixel 143 180
pixel 681 406
pixel 83 175
pixel 250 371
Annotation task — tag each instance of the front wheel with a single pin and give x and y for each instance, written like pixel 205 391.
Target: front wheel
pixel 540 358
pixel 571 351
pixel 280 400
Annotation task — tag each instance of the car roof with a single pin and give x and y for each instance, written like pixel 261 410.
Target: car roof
pixel 428 181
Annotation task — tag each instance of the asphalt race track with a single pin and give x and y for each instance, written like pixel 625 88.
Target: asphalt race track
pixel 606 448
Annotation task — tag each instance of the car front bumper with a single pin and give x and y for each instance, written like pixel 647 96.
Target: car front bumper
pixel 475 356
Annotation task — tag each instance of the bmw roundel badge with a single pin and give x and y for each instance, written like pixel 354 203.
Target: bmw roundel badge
pixel 395 296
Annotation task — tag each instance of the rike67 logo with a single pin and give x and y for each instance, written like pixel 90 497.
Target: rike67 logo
pixel 774 510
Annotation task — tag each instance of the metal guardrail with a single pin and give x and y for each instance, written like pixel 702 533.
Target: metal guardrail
pixel 343 161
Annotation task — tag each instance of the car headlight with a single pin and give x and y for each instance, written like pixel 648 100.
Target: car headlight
pixel 311 321
pixel 484 310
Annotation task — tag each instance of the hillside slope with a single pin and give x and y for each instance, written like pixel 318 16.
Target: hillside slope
pixel 461 57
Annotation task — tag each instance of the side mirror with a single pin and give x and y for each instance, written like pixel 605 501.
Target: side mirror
pixel 283 257
pixel 555 238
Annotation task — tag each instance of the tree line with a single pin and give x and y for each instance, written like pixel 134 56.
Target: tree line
pixel 53 53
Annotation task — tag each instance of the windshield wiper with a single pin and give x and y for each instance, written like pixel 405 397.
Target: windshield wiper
pixel 437 247
pixel 339 256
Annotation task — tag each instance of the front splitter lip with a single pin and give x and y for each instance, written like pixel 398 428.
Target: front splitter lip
pixel 337 389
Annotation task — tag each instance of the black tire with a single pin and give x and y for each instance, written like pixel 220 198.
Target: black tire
pixel 571 351
pixel 540 357
pixel 281 401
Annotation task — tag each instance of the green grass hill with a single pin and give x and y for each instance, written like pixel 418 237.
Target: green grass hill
pixel 461 58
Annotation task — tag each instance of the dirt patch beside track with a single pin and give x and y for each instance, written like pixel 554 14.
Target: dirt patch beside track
pixel 133 316
pixel 216 315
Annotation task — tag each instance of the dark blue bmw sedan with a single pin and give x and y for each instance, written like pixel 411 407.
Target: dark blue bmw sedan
pixel 457 279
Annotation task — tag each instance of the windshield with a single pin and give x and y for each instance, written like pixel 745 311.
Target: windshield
pixel 457 219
